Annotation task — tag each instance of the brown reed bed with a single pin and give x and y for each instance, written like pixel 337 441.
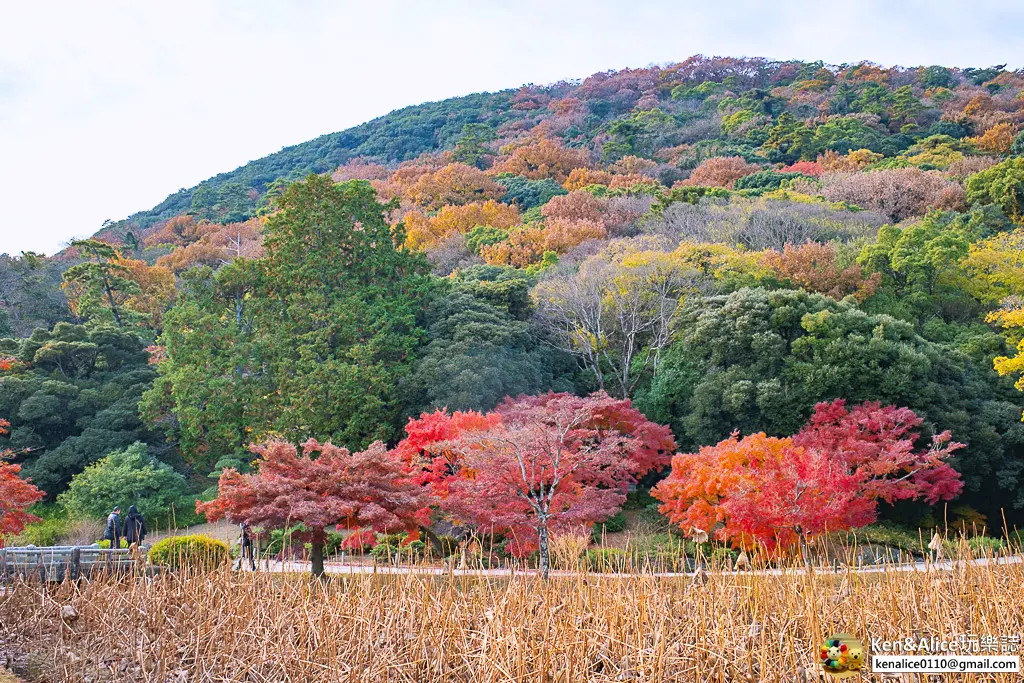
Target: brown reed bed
pixel 222 626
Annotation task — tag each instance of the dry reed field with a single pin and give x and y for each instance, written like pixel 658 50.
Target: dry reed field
pixel 584 627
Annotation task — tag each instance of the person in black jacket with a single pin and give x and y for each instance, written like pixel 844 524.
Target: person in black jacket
pixel 246 547
pixel 134 527
pixel 112 532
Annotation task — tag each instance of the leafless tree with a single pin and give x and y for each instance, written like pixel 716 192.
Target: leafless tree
pixel 615 318
pixel 762 224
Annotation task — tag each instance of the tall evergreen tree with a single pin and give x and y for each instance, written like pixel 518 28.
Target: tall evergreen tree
pixel 308 342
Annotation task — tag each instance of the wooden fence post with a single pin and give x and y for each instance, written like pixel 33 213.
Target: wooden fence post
pixel 76 563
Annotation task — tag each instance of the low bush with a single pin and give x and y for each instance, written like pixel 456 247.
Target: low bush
pixel 391 546
pixel 888 534
pixel 981 546
pixel 53 525
pixel 195 552
pixel 130 476
pixel 612 525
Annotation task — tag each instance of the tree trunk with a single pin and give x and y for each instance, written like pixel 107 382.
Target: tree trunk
pixel 113 306
pixel 542 535
pixel 316 558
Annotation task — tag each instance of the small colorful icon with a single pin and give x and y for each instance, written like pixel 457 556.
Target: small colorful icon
pixel 842 656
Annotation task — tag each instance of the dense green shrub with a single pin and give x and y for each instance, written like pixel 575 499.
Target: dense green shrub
pixel 74 399
pixel 125 477
pixel 766 180
pixel 612 525
pixel 54 523
pixel 528 193
pixel 190 552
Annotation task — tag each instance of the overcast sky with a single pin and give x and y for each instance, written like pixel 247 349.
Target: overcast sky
pixel 106 108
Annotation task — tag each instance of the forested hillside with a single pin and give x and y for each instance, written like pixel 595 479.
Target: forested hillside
pixel 726 242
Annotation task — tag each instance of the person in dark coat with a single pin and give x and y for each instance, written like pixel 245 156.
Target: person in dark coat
pixel 112 532
pixel 246 547
pixel 134 527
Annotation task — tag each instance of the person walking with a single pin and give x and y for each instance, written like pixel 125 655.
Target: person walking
pixel 246 549
pixel 112 532
pixel 134 527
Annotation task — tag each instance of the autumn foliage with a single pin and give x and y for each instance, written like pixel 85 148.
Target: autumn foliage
pixel 16 495
pixel 543 158
pixel 537 464
pixel 773 492
pixel 814 267
pixel 320 487
pixel 423 231
pixel 721 172
pixel 454 184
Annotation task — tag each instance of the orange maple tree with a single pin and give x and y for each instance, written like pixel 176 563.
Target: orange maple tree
pixel 16 495
pixel 776 492
pixel 815 267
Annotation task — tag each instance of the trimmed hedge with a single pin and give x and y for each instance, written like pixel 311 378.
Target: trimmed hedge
pixel 190 552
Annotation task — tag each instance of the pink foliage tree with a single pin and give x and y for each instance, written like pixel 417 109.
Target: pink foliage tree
pixel 555 462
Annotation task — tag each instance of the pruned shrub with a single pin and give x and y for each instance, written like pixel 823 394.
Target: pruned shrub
pixel 196 552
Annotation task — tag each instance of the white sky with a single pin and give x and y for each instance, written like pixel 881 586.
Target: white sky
pixel 108 107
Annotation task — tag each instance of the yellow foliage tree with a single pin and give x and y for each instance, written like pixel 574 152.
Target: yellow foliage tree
pixel 1011 319
pixel 994 268
pixel 723 262
pixel 993 272
pixel 997 140
pixel 423 231
pixel 156 289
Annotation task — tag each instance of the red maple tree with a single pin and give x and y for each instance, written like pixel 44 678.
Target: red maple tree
pixel 322 486
pixel 552 463
pixel 654 443
pixel 431 446
pixel 777 492
pixel 16 495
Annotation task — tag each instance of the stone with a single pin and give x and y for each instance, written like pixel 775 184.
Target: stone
pixel 68 614
pixel 742 562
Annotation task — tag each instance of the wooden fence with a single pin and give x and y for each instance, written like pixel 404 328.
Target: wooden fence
pixel 56 563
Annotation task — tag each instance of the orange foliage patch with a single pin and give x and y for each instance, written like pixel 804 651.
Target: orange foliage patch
pixel 542 158
pixel 423 231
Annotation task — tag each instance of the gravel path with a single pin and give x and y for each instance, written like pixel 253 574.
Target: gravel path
pixel 338 568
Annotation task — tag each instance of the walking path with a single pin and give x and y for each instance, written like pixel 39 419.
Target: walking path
pixel 342 569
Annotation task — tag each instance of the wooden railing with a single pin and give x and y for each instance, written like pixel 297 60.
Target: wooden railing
pixel 56 563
